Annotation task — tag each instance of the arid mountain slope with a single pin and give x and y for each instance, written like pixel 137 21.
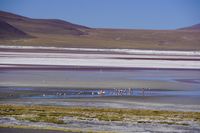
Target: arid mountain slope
pixel 53 32
pixel 43 26
pixel 7 31
pixel 193 27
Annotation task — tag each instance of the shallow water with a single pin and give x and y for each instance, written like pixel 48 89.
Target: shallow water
pixel 74 93
pixel 67 83
pixel 102 78
pixel 62 93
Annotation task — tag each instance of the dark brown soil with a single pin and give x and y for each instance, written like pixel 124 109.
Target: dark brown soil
pixel 20 130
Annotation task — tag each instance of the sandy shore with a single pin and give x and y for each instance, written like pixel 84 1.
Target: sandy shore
pixel 172 103
pixel 127 51
pixel 130 58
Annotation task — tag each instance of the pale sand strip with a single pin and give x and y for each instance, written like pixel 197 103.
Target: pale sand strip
pixel 157 59
pixel 148 63
pixel 96 56
pixel 128 51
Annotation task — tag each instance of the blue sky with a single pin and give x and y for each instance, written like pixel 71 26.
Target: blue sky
pixel 134 14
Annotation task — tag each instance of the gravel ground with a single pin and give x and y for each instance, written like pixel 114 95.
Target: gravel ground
pixel 95 125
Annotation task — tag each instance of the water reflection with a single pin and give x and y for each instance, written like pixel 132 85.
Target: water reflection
pixel 103 78
pixel 59 93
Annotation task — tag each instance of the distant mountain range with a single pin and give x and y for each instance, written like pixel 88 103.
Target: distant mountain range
pixel 16 29
pixel 43 26
pixel 193 27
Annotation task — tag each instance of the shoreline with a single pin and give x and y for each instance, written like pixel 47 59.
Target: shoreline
pixel 170 103
pixel 64 60
pixel 83 68
pixel 128 51
pixel 86 119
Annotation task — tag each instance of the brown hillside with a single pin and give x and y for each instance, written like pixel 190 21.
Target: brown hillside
pixel 53 32
pixel 8 31
pixel 44 26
